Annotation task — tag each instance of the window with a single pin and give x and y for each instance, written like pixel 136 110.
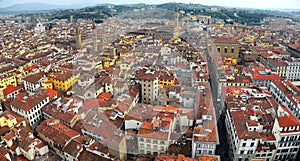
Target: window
pixel 244 144
pixel 162 142
pixel 252 144
pixel 148 141
pixel 142 145
pixel 225 50
pixel 148 146
pixel 242 152
pixel 154 141
pixel 155 147
pixel 141 139
pixel 232 50
pixel 219 49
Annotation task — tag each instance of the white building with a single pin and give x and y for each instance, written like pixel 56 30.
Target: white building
pixel 293 70
pixel 287 133
pixel 30 107
pixel 39 28
pixel 249 118
pixel 286 93
pixel 33 82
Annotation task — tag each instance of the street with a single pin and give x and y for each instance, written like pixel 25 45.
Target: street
pixel 223 147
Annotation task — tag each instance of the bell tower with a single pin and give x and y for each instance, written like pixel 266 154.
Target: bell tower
pixel 176 24
pixel 78 37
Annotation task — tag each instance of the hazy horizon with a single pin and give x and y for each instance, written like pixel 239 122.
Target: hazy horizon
pixel 288 4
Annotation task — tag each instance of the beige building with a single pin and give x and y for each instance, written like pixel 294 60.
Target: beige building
pixel 153 143
pixel 149 83
pixel 154 135
pixel 228 48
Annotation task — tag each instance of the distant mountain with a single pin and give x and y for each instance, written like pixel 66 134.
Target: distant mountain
pixel 32 7
pixel 45 6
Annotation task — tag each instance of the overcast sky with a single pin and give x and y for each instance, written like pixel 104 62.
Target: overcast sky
pixel 295 4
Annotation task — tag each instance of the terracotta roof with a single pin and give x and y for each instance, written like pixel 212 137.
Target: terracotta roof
pixel 61 76
pixel 146 75
pixel 73 148
pixel 50 156
pixel 3 152
pixel 4 130
pixel 34 78
pixel 56 131
pixel 105 95
pixel 141 113
pixel 26 144
pixel 96 121
pixel 11 115
pixel 239 120
pixel 295 46
pixel 28 103
pixel 9 136
pixel 180 157
pixel 287 120
pixel 166 109
pixel 257 76
pixel 208 158
pixel 10 89
pixel 88 156
pixel 58 112
pixel 51 93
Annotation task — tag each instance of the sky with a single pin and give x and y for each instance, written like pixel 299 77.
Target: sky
pixel 294 4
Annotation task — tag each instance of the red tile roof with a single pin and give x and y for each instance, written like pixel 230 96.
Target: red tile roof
pixel 61 76
pixel 105 95
pixel 208 158
pixel 56 131
pixel 31 67
pixel 51 93
pixel 10 89
pixel 180 157
pixel 295 46
pixel 28 103
pixel 287 120
pixel 257 76
pixel 34 78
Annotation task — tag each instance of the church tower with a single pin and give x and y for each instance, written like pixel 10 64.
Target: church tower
pixel 95 38
pixel 176 24
pixel 78 37
pixel 175 39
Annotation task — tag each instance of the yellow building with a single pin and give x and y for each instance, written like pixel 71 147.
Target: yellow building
pixel 107 84
pixel 10 119
pixel 166 78
pixel 6 80
pixel 63 81
pixel 230 61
